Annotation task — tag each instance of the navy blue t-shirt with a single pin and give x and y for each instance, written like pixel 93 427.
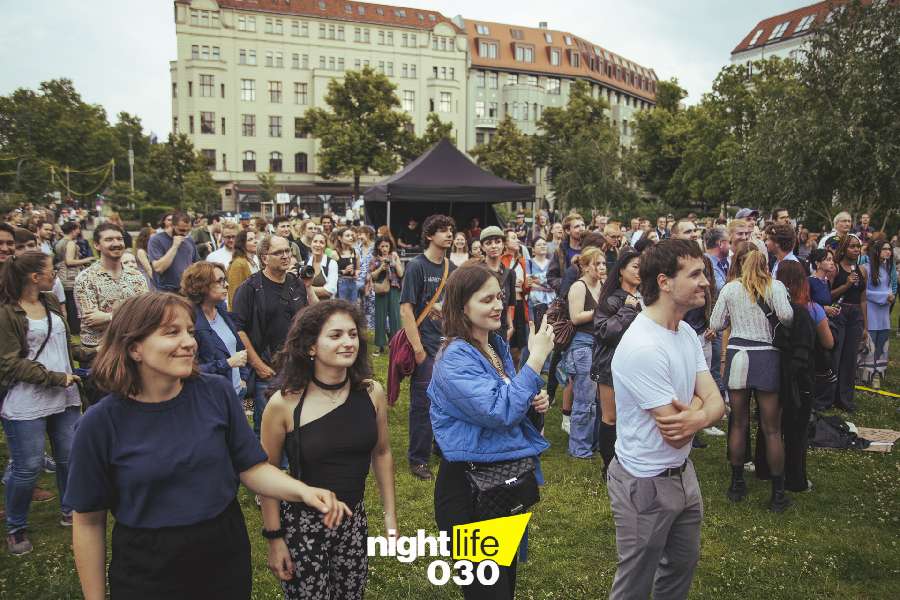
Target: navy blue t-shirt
pixel 162 465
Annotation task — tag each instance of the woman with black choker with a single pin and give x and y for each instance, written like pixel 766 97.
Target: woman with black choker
pixel 480 406
pixel 330 418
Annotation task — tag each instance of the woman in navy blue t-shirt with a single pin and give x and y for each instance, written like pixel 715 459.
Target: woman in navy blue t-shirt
pixel 165 453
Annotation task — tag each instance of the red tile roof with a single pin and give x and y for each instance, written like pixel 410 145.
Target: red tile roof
pixel 630 77
pixel 344 10
pixel 818 13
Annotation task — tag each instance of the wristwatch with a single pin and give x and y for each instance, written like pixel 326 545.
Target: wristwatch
pixel 273 535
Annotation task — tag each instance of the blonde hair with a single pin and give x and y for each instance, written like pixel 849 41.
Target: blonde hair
pixel 755 275
pixel 587 256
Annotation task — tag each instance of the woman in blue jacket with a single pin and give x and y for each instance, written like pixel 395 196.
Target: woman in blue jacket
pixel 219 349
pixel 479 405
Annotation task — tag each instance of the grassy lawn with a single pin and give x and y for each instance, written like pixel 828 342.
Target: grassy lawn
pixel 839 541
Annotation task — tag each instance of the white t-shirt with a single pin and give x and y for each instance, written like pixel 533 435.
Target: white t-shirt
pixel 222 256
pixel 652 365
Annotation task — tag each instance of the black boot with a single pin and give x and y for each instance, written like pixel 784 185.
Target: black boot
pixel 607 445
pixel 737 491
pixel 779 501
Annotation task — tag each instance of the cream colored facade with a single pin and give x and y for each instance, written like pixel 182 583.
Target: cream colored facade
pixel 243 76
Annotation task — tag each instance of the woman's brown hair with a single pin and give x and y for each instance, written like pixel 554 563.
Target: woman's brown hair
pixel 133 321
pixel 293 364
pixel 198 279
pixel 792 274
pixel 14 274
pixel 462 284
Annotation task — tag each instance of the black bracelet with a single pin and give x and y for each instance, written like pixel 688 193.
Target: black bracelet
pixel 273 535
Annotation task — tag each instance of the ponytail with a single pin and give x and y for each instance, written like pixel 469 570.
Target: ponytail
pixel 14 274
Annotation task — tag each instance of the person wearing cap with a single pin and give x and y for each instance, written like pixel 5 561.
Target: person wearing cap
pixel 748 214
pixel 492 243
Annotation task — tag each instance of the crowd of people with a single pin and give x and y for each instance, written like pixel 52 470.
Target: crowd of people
pixel 654 332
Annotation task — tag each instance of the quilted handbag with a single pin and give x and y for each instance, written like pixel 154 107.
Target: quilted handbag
pixel 503 488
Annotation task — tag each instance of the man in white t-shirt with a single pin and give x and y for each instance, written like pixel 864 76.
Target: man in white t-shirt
pixel 226 250
pixel 664 395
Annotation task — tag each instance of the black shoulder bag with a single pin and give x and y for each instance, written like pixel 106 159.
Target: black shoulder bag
pixel 781 334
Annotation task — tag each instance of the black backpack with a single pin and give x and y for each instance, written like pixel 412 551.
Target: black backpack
pixel 833 432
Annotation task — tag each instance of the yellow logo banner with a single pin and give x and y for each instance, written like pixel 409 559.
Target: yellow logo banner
pixel 494 539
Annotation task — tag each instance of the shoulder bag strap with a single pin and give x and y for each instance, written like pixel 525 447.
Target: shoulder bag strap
pixel 437 294
pixel 49 328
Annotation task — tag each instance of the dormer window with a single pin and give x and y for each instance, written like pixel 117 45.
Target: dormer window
pixel 482 29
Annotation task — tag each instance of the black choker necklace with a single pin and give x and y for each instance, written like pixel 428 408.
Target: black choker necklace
pixel 331 386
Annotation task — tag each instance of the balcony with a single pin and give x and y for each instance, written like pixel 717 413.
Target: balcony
pixel 486 122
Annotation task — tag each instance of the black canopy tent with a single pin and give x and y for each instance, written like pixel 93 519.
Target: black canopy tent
pixel 443 180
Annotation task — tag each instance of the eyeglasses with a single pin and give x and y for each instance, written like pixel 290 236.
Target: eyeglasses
pixel 284 252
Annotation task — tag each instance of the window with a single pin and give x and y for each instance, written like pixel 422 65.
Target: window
pixel 381 37
pixel 295 28
pixel 524 54
pixel 300 93
pixel 174 90
pixel 209 157
pixel 275 162
pixel 301 164
pixel 404 69
pixel 553 86
pixel 246 23
pixel 479 138
pixel 249 161
pixel 479 78
pixel 493 79
pixel 412 70
pixel 216 53
pixel 269 26
pixel 548 37
pixel 207 122
pixel 568 40
pixel 322 62
pixel 482 29
pixel 174 124
pixel 298 128
pixel 331 63
pixel 275 92
pixel 248 125
pixel 247 57
pixel 279 27
pixel 400 12
pixel 487 49
pixel 331 32
pixel 304 61
pixel 532 80
pixel 624 126
pixel 412 40
pixel 493 110
pixel 270 59
pixel 295 61
pixel 190 123
pixel 207 86
pixel 190 89
pixel 248 90
pixel 479 109
pixel 512 79
pixel 574 58
pixel 404 40
pixel 279 60
pixel 804 24
pixel 390 69
pixel 322 29
pixel 204 52
pixel 779 30
pixel 390 38
pixel 409 101
pixel 223 125
pixel 195 52
pixel 554 57
pixel 516 34
pixel 445 102
pixel 274 126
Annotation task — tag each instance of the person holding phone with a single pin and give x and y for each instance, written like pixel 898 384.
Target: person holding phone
pixel 849 290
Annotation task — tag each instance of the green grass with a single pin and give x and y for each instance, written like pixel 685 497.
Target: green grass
pixel 839 541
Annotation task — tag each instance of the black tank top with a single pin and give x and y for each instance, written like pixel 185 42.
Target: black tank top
pixel 334 451
pixel 344 262
pixel 590 303
pixel 854 293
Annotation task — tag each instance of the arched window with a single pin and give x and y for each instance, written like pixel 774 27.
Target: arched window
pixel 249 161
pixel 275 162
pixel 300 162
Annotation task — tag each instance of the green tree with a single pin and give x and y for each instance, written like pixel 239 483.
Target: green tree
pixel 435 131
pixel 201 193
pixel 267 187
pixel 362 131
pixel 565 134
pixel 659 140
pixel 507 154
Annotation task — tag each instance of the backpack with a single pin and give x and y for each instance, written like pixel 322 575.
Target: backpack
pixel 833 432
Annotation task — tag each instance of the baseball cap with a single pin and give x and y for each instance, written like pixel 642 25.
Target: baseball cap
pixel 491 232
pixel 746 212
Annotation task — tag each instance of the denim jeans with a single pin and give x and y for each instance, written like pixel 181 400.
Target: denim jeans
pixel 26 448
pixel 584 422
pixel 346 290
pixel 420 434
pixel 259 403
pixel 715 363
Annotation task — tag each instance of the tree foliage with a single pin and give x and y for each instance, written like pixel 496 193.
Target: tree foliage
pixel 581 150
pixel 508 154
pixel 435 131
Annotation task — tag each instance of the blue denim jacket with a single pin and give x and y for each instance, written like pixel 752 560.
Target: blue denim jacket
pixel 474 414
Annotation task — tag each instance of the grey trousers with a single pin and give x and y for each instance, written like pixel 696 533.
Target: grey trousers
pixel 657 533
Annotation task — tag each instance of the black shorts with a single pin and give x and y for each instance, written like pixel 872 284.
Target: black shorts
pixel 210 559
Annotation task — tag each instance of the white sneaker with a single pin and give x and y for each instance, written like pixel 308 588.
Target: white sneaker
pixel 714 431
pixel 565 424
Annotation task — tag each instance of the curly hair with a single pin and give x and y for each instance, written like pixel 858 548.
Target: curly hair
pixel 293 363
pixel 197 280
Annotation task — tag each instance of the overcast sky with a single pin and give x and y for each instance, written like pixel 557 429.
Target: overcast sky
pixel 118 51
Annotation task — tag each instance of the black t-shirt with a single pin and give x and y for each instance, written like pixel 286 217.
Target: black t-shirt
pixel 277 314
pixel 420 282
pixel 411 237
pixel 507 279
pixel 305 250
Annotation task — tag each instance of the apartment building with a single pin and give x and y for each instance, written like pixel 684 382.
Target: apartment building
pixel 247 70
